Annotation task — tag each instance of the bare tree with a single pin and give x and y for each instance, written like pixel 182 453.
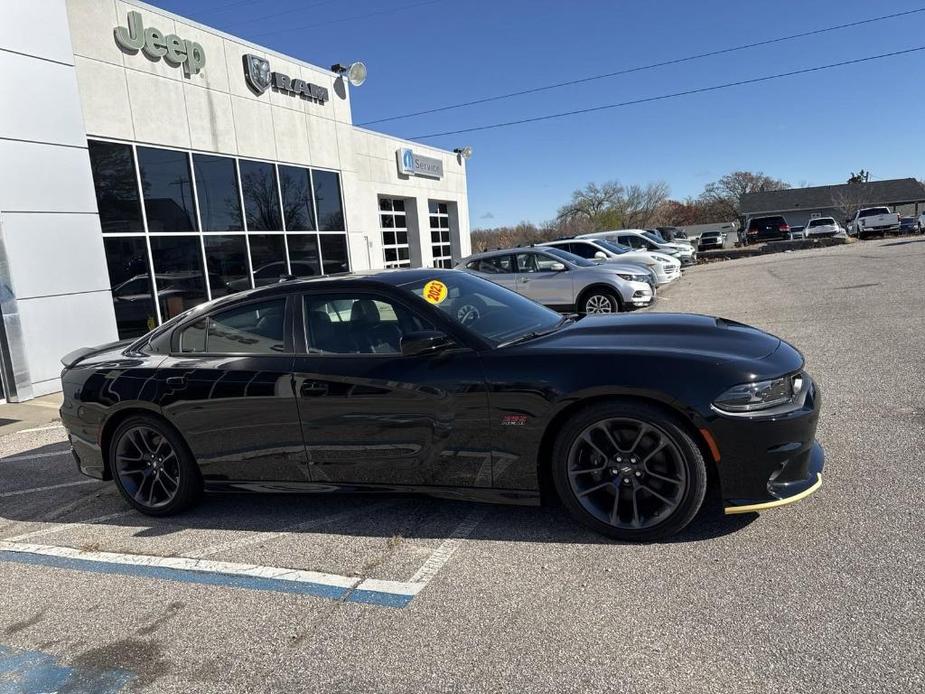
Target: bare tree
pixel 847 200
pixel 725 193
pixel 592 202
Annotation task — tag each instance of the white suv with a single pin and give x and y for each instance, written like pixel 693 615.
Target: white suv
pixel 643 240
pixel 666 268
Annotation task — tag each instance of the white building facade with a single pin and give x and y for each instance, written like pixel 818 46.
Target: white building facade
pixel 149 163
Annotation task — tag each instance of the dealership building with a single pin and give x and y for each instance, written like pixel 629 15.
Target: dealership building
pixel 149 163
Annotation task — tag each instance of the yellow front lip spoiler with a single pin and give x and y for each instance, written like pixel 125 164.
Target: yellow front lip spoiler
pixel 730 510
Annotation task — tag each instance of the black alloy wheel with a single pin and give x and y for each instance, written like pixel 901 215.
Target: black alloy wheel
pixel 601 301
pixel 629 471
pixel 152 467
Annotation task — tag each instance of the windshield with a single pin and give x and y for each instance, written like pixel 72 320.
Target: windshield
pixel 570 257
pixel 614 246
pixel 652 237
pixel 821 222
pixel 492 312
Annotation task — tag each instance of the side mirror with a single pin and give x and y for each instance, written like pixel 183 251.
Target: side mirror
pixel 600 255
pixel 424 342
pixel 557 267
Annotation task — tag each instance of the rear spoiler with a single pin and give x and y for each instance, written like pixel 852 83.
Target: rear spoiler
pixel 73 358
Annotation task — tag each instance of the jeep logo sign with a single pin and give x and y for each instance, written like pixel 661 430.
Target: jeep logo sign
pixel 154 44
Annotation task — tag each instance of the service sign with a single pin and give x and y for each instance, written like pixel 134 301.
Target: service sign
pixel 411 164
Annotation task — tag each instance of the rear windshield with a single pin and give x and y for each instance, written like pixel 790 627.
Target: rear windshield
pixel 871 211
pixel 762 222
pixel 821 222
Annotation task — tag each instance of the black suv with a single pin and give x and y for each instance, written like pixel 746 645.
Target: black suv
pixel 767 229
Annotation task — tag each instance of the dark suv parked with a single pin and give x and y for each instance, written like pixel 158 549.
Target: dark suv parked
pixel 767 229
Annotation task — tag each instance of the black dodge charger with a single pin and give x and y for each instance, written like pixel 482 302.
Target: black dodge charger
pixel 436 381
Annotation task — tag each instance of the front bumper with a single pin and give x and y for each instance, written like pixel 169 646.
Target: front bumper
pixel 792 483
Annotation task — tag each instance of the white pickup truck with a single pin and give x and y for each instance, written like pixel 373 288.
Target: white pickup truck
pixel 869 221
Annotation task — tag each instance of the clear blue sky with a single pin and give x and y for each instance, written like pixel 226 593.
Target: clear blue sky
pixel 812 129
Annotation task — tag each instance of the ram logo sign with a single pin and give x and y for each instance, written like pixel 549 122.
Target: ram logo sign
pixel 260 78
pixel 411 164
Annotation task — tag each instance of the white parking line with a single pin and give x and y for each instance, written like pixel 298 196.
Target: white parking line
pixel 33 430
pixel 50 454
pixel 20 492
pixel 67 526
pixel 448 547
pixel 257 538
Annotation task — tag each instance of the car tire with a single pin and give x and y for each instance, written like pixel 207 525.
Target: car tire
pixel 648 488
pixel 595 301
pixel 153 468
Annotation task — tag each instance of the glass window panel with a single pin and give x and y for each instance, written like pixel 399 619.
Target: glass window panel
pixel 168 192
pixel 344 324
pixel 130 280
pixel 401 221
pixel 444 222
pixel 432 206
pixel 303 255
pixel 388 221
pixel 434 222
pixel 261 197
pixel 398 205
pixel 226 260
pixel 116 186
pixel 403 253
pixel 442 208
pixel 391 254
pixel 334 252
pixel 435 237
pixel 251 329
pixel 268 256
pixel 327 199
pixel 178 272
pixel 193 338
pixel 217 192
pixel 385 204
pixel 298 210
pixel 401 237
pixel 388 238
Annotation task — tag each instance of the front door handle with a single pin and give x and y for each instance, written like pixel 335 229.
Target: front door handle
pixel 176 381
pixel 313 389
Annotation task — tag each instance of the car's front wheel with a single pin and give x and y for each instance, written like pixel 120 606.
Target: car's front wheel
pixel 152 467
pixel 629 471
pixel 600 301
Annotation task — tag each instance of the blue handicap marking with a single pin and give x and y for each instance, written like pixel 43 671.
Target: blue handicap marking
pixel 34 672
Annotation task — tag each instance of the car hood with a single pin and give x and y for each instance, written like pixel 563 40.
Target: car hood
pixel 706 337
pixel 628 264
pixel 683 247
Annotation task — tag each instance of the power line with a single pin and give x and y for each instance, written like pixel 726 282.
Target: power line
pixel 300 8
pixel 352 18
pixel 675 61
pixel 673 95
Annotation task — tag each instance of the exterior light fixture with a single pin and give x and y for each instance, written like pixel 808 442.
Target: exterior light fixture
pixel 355 72
pixel 464 152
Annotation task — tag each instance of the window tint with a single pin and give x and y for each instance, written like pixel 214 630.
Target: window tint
pixel 268 257
pixel 344 324
pixel 261 198
pixel 167 188
pixel 583 250
pixel 130 280
pixel 303 255
pixel 298 206
pixel 116 186
pixel 874 211
pixel 327 199
pixel 496 264
pixel 217 192
pixel 226 259
pixel 334 252
pixel 251 329
pixel 178 270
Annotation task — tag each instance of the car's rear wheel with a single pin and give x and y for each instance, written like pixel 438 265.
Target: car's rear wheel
pixel 629 471
pixel 152 467
pixel 600 301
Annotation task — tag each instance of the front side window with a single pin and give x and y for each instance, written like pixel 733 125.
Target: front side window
pixel 362 324
pixel 535 262
pixel 116 185
pixel 251 329
pixel 168 190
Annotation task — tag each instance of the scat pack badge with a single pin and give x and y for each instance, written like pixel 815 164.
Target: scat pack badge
pixel 434 292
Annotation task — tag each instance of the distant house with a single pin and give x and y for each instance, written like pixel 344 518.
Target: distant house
pixel 799 205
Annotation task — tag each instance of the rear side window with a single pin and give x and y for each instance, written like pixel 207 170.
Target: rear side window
pixel 584 250
pixel 492 265
pixel 252 329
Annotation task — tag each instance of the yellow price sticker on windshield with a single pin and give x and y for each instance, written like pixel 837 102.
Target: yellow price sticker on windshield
pixel 435 292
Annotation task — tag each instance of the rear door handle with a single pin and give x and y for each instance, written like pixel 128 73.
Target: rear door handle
pixel 176 380
pixel 313 389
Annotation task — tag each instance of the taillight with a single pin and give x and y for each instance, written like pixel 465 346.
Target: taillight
pixel 784 227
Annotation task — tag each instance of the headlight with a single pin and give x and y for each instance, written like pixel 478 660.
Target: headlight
pixel 633 278
pixel 761 395
pixel 660 259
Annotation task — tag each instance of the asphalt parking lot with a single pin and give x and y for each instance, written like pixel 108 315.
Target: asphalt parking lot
pixel 355 594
